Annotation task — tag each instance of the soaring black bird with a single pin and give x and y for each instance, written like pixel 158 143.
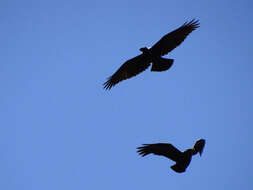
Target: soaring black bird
pixel 153 55
pixel 182 159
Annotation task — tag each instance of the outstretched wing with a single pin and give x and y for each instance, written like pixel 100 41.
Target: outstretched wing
pixel 173 39
pixel 162 149
pixel 129 69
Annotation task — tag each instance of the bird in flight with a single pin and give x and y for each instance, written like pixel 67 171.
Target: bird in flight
pixel 182 159
pixel 153 55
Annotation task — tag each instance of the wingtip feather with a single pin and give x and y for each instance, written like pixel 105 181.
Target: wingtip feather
pixel 142 151
pixel 108 84
pixel 194 23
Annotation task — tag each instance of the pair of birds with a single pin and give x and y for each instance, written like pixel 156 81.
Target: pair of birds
pixel 140 63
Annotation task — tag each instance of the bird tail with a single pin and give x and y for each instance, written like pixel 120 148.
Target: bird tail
pixel 177 168
pixel 161 64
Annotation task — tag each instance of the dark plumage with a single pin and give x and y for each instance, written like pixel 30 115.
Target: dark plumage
pixel 182 159
pixel 153 55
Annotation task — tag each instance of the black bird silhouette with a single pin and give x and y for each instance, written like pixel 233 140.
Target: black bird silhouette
pixel 167 43
pixel 182 159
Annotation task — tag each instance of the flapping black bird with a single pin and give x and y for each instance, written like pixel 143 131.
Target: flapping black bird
pixel 153 55
pixel 182 159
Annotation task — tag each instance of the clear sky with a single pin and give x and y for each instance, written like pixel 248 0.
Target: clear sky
pixel 61 130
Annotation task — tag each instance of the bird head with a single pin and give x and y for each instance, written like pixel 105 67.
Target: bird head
pixel 199 146
pixel 144 49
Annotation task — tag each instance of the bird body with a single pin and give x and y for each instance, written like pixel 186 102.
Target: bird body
pixel 153 55
pixel 158 63
pixel 182 159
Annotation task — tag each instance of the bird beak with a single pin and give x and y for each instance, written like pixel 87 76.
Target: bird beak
pixel 200 152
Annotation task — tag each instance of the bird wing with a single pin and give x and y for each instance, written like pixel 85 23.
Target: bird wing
pixel 173 39
pixel 162 149
pixel 129 69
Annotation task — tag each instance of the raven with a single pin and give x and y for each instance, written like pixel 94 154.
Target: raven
pixel 153 55
pixel 182 159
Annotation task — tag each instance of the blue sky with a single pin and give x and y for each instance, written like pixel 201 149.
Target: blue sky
pixel 61 130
